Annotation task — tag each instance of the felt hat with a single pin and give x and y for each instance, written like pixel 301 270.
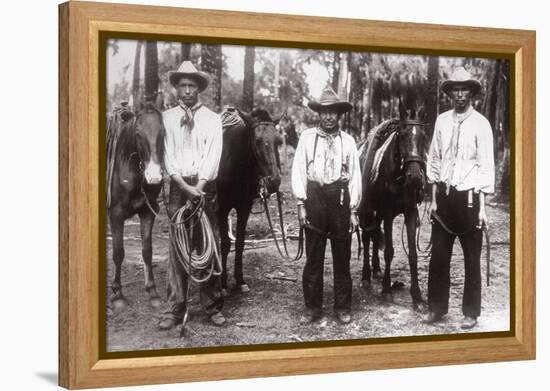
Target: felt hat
pixel 187 69
pixel 461 77
pixel 329 99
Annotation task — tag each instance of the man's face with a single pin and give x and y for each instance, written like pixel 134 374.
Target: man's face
pixel 188 91
pixel 329 120
pixel 461 98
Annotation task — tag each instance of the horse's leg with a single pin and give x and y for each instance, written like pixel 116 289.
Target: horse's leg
pixel 366 274
pixel 388 257
pixel 225 245
pixel 147 220
pixel 242 219
pixel 410 223
pixel 376 238
pixel 117 231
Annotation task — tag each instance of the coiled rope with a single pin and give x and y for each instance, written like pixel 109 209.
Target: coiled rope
pixel 204 262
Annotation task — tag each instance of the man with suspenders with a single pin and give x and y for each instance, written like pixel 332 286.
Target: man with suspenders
pixel 326 180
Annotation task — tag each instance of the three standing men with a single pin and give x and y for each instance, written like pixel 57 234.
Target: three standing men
pixel 461 168
pixel 193 147
pixel 326 180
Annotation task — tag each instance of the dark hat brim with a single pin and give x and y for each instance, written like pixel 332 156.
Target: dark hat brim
pixel 201 78
pixel 339 107
pixel 473 85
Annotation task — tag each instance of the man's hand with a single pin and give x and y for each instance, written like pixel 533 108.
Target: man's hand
pixel 483 220
pixel 433 205
pixel 353 222
pixel 482 217
pixel 302 216
pixel 191 191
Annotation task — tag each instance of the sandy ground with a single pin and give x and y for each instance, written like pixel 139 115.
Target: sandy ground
pixel 270 312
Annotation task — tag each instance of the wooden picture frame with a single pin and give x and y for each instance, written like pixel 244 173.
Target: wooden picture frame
pixel 81 24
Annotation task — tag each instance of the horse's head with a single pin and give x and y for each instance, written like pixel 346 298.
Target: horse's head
pixel 412 144
pixel 264 142
pixel 149 131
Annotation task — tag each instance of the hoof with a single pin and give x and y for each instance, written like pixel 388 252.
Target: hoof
pixel 421 307
pixel 155 302
pixel 243 288
pixel 119 304
pixel 388 297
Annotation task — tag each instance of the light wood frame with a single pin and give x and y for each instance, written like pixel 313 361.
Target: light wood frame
pixel 80 365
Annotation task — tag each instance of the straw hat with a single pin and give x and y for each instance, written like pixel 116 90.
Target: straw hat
pixel 187 69
pixel 329 99
pixel 461 77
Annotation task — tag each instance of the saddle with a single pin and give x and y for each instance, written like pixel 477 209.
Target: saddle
pixel 371 152
pixel 114 124
pixel 230 117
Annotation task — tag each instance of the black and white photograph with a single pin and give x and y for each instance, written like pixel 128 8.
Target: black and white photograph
pixel 267 195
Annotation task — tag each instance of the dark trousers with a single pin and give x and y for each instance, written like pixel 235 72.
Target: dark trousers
pixel 210 291
pixel 326 212
pixel 462 220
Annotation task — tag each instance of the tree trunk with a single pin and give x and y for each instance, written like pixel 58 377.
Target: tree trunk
pixel 248 82
pixel 432 95
pixel 336 71
pixel 185 52
pixel 211 63
pixel 151 70
pixel 135 79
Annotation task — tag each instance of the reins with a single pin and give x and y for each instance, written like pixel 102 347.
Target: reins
pixel 284 254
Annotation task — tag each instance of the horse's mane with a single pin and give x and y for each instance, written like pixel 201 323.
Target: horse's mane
pixel 261 114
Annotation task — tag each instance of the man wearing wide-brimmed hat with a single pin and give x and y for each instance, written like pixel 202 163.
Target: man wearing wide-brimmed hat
pixel 461 168
pixel 326 180
pixel 193 146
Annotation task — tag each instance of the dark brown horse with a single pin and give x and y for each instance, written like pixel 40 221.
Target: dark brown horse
pixel 249 164
pixel 135 185
pixel 394 186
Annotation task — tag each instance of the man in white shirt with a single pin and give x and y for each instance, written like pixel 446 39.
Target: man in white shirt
pixel 461 168
pixel 193 146
pixel 326 180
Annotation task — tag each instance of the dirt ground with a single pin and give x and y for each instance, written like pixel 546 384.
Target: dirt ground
pixel 270 312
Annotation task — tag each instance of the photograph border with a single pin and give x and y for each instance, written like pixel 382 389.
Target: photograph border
pixel 84 28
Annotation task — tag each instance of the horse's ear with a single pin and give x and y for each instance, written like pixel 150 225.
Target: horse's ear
pixel 247 118
pixel 422 114
pixel 278 118
pixel 159 101
pixel 402 110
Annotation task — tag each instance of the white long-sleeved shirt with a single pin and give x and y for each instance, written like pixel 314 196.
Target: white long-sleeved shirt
pixel 473 167
pixel 305 167
pixel 195 152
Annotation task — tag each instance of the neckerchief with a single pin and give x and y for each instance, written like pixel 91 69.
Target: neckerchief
pixel 330 154
pixel 458 119
pixel 188 118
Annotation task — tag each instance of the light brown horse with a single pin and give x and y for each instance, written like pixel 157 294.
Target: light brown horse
pixel 135 185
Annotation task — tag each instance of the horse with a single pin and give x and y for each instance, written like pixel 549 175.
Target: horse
pixel 394 185
pixel 249 164
pixel 135 184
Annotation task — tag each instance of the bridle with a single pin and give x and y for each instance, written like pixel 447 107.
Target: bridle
pixel 141 165
pixel 262 188
pixel 404 161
